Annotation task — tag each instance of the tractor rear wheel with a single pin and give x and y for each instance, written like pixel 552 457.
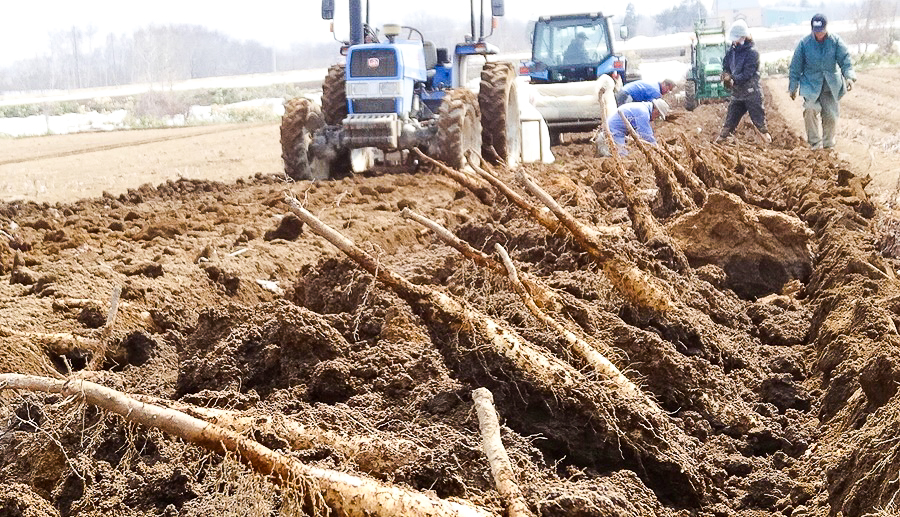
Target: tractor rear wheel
pixel 334 95
pixel 302 117
pixel 501 126
pixel 690 95
pixel 459 128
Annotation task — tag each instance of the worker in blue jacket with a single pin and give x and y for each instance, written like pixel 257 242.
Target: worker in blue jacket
pixel 640 91
pixel 821 69
pixel 740 73
pixel 639 115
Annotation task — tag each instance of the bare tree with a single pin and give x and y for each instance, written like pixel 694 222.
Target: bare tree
pixel 874 21
pixel 75 36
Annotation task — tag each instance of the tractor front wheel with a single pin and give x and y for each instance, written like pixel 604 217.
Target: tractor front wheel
pixel 302 118
pixel 459 128
pixel 690 95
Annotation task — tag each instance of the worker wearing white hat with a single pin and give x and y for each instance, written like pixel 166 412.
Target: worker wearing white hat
pixel 740 72
pixel 639 115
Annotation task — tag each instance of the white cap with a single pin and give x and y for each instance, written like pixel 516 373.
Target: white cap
pixel 661 106
pixel 738 30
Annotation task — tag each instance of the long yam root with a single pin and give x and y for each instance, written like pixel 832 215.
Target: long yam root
pixel 542 294
pixel 673 198
pixel 501 468
pixel 645 226
pixel 482 191
pixel 638 288
pixel 346 495
pixel 594 359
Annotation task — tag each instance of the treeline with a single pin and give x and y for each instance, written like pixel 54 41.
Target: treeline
pixel 682 16
pixel 155 54
pixel 168 53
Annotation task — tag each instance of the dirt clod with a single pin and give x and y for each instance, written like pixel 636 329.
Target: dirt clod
pixel 289 228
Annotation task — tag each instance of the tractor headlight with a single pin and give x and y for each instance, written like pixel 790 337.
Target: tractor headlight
pixel 360 88
pixel 389 88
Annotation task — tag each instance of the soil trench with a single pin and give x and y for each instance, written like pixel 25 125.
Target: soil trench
pixel 748 291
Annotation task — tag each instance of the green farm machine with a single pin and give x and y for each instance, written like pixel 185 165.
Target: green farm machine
pixel 704 78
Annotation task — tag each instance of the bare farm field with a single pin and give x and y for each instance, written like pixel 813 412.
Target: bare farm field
pixel 706 331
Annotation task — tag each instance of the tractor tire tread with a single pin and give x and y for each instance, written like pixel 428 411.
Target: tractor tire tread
pixel 301 118
pixel 498 100
pixel 690 95
pixel 459 128
pixel 334 95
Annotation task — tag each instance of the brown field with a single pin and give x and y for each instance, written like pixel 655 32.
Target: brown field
pixel 767 376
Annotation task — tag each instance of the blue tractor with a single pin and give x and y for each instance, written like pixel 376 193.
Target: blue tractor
pixel 394 95
pixel 572 63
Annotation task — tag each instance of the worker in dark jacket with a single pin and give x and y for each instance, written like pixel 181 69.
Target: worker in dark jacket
pixel 740 71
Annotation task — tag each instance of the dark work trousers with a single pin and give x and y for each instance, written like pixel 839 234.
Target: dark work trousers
pixel 737 109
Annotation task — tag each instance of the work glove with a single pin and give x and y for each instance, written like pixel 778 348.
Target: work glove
pixel 793 94
pixel 727 80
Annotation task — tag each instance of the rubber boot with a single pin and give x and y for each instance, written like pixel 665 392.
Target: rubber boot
pixel 722 136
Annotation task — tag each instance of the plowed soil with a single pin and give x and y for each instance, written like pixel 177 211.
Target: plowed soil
pixel 773 364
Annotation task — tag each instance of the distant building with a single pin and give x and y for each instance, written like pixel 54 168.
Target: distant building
pixel 757 16
pixel 787 15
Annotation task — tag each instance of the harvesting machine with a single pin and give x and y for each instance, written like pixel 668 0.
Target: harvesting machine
pixel 402 92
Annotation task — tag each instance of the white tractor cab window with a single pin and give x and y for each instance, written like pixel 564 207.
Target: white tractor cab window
pixel 564 43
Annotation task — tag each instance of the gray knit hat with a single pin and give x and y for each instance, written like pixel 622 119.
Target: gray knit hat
pixel 738 30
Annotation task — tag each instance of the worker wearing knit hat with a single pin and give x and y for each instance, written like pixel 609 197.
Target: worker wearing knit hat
pixel 740 73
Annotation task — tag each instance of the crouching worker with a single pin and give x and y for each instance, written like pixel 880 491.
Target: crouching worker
pixel 638 91
pixel 639 115
pixel 740 70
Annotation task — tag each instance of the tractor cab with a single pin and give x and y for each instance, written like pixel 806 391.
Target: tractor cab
pixel 570 48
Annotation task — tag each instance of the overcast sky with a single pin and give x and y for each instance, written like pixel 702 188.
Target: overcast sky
pixel 280 23
pixel 27 26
